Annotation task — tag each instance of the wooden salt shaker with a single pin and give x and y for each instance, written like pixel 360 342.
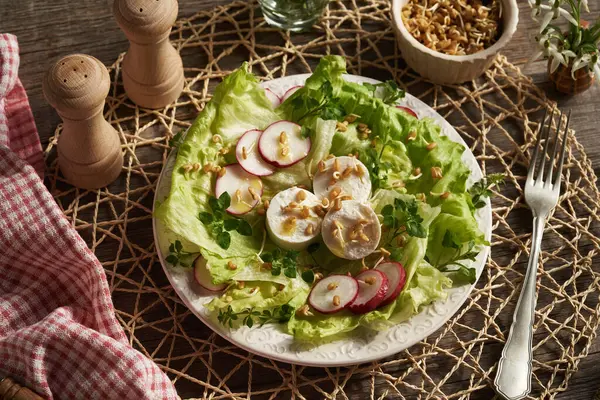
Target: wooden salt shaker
pixel 152 68
pixel 89 149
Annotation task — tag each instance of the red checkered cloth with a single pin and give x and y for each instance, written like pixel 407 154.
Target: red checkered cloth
pixel 58 332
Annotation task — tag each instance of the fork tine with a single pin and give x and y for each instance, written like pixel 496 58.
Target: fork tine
pixel 545 153
pixel 554 148
pixel 562 153
pixel 533 161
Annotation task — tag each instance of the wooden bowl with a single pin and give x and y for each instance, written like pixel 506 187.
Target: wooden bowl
pixel 447 69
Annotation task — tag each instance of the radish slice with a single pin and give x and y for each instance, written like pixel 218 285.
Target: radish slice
pixel 408 111
pixel 290 92
pixel 372 287
pixel 322 295
pixel 239 184
pixel 275 100
pixel 282 144
pixel 249 157
pixel 203 277
pixel 396 280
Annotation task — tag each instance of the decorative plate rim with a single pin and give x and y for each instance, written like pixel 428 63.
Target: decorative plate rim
pixel 367 346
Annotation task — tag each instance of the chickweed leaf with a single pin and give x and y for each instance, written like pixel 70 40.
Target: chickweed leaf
pixel 483 189
pixel 224 240
pixel 206 218
pixel 224 201
pixel 308 276
pixel 244 228
pixel 231 224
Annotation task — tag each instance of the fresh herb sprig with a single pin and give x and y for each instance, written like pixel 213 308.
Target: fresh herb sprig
pixel 403 216
pixel 462 274
pixel 177 139
pixel 282 261
pixel 483 189
pixel 391 92
pixel 249 316
pixel 177 256
pixel 328 107
pixel 219 225
pixel 371 159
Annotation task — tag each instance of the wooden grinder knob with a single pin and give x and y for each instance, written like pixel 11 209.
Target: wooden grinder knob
pixel 89 149
pixel 152 68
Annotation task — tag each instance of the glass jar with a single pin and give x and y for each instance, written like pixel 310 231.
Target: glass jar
pixel 295 15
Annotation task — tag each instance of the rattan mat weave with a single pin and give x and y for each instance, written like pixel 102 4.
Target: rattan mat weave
pixel 496 115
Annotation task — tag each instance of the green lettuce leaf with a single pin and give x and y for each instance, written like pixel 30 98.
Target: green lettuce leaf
pixel 426 286
pixel 456 219
pixel 238 104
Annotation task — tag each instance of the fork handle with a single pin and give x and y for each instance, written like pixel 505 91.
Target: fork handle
pixel 513 380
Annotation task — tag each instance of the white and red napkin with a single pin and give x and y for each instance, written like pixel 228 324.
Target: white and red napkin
pixel 58 332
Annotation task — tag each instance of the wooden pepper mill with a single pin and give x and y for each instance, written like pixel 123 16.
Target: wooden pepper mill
pixel 89 149
pixel 152 68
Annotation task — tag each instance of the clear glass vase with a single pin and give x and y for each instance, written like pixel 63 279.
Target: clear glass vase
pixel 295 15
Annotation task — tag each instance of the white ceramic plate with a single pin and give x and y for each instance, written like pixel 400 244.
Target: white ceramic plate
pixel 366 345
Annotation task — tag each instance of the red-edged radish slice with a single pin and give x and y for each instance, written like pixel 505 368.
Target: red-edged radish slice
pixel 240 185
pixel 203 277
pixel 408 111
pixel 249 157
pixel 372 287
pixel 275 100
pixel 333 293
pixel 396 280
pixel 290 92
pixel 282 145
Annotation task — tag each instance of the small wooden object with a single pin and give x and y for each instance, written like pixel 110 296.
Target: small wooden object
pixel 152 68
pixel 89 149
pixel 11 390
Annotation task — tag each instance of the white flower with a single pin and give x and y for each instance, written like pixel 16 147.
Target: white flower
pixel 579 63
pixel 568 54
pixel 555 55
pixel 584 3
pixel 554 13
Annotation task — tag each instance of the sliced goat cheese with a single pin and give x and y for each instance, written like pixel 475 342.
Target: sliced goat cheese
pixel 291 221
pixel 342 176
pixel 352 231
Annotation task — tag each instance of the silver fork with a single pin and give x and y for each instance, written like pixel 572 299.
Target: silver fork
pixel 513 379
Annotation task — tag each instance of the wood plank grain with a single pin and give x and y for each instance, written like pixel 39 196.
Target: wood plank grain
pixel 48 30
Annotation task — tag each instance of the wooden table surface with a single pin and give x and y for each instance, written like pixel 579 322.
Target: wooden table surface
pixel 49 29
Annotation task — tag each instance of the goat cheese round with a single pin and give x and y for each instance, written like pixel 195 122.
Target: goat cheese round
pixel 342 176
pixel 291 221
pixel 353 231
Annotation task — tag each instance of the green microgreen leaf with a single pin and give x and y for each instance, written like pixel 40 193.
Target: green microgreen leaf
pixel 231 224
pixel 483 189
pixel 177 139
pixel 224 201
pixel 308 276
pixel 205 217
pixel 244 228
pixel 224 240
pixel 214 204
pixel 172 258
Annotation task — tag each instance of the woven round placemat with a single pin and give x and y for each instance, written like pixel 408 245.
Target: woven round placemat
pixel 496 115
